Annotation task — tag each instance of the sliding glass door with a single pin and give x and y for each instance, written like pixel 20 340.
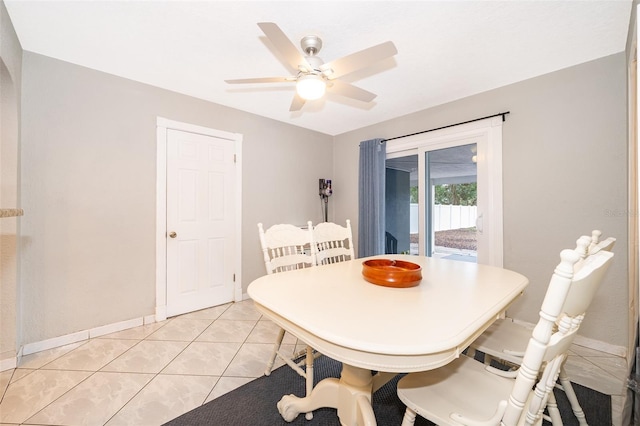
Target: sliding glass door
pixel 444 194
pixel 448 188
pixel 451 187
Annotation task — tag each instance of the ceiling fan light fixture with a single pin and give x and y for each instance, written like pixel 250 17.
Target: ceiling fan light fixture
pixel 314 77
pixel 311 87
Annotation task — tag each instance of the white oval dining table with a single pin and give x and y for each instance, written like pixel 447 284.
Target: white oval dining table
pixel 389 330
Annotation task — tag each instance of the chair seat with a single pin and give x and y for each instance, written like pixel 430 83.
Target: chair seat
pixel 511 337
pixel 466 392
pixel 507 341
pixel 461 383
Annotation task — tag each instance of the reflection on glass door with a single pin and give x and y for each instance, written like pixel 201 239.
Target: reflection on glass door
pixel 438 190
pixel 401 201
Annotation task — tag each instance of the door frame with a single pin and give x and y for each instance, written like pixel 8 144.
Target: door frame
pixel 487 134
pixel 634 189
pixel 162 126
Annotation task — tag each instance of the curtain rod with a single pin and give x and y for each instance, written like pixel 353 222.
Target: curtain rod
pixel 503 114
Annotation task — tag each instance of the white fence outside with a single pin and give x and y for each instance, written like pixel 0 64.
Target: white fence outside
pixel 446 217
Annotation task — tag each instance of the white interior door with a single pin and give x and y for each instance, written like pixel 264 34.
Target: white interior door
pixel 200 221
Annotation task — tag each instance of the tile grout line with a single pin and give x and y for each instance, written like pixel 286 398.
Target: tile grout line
pixel 173 359
pixel 41 368
pixel 195 338
pixel 143 387
pixel 234 357
pixel 166 365
pixel 93 372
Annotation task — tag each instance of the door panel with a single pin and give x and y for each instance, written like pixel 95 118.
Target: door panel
pixel 450 188
pixel 417 188
pixel 398 233
pixel 200 210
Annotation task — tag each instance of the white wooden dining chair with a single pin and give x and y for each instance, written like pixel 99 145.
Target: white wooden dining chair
pixel 597 245
pixel 506 340
pixel 467 392
pixel 334 242
pixel 287 247
pixel 589 245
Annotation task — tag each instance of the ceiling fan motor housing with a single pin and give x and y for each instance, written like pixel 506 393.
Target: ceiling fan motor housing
pixel 311 44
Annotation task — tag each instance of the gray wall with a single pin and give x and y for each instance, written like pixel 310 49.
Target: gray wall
pixel 89 182
pixel 10 81
pixel 565 173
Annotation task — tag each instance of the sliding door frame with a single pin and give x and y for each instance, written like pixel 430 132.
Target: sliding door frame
pixel 487 134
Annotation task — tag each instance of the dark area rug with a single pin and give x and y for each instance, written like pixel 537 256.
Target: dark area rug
pixel 255 403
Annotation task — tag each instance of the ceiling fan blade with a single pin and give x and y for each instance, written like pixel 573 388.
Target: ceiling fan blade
pixel 286 48
pixel 350 91
pixel 358 60
pixel 261 80
pixel 297 103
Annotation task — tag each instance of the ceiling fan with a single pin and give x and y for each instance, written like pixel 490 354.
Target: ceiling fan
pixel 312 75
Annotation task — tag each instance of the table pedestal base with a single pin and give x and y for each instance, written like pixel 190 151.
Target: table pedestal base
pixel 350 395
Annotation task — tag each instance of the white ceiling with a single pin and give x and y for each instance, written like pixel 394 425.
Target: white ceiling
pixel 446 49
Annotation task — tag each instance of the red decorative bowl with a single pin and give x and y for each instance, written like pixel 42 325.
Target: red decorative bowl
pixel 392 273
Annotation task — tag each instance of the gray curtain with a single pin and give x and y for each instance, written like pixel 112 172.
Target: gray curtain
pixel 371 208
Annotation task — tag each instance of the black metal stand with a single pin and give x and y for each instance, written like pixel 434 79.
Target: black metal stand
pixel 325 217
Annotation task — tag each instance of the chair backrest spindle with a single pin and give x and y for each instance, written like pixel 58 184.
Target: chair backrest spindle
pixel 334 243
pixel 596 245
pixel 287 247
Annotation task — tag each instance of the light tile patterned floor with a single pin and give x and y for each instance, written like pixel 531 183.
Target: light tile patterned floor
pixel 148 375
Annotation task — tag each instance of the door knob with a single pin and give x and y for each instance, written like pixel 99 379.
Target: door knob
pixel 172 234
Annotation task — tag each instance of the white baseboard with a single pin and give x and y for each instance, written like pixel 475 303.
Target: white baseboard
pixel 586 342
pixel 55 342
pixel 11 362
pixel 112 328
pixel 8 364
pixel 79 336
pixel 597 345
pixel 43 345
